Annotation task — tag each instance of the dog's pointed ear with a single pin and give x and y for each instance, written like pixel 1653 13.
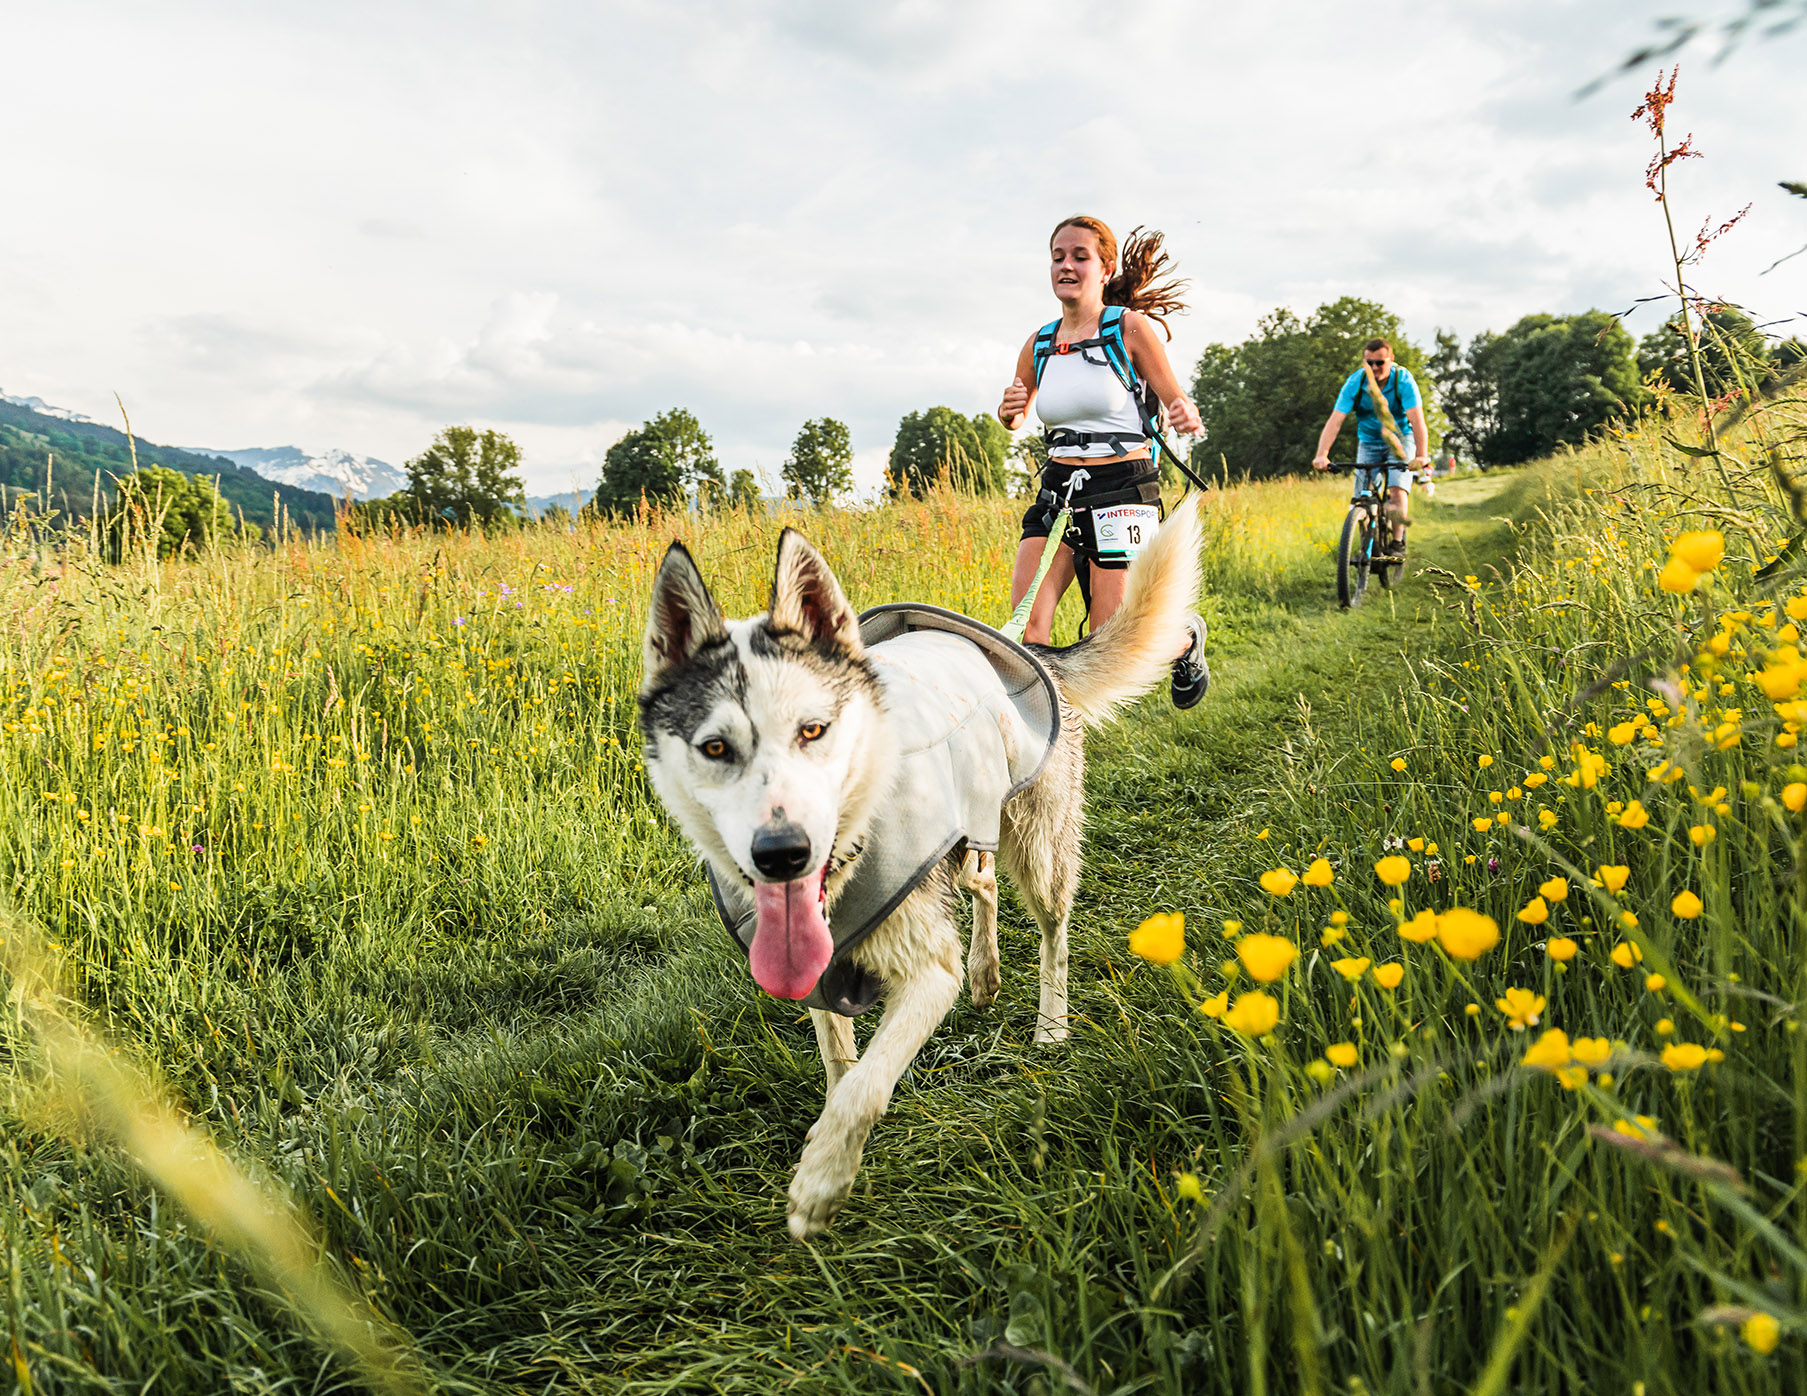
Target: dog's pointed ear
pixel 683 616
pixel 806 597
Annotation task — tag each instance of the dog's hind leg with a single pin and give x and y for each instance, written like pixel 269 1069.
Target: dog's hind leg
pixel 834 1038
pixel 1044 830
pixel 979 875
pixel 917 951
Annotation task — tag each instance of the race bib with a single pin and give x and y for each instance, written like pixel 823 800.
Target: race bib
pixel 1123 530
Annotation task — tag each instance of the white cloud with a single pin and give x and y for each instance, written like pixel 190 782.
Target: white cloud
pixel 347 226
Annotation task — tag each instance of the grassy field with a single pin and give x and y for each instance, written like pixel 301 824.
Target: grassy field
pixel 350 846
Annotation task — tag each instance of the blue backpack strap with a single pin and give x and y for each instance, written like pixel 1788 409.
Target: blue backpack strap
pixel 1110 331
pixel 1044 347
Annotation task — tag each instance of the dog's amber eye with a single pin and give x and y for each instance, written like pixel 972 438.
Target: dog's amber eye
pixel 809 731
pixel 715 749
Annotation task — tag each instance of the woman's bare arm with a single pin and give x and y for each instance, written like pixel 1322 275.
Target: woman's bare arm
pixel 1014 409
pixel 1149 355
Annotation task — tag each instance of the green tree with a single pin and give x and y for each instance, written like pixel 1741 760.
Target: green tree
pixel 820 464
pixel 1264 401
pixel 555 516
pixel 465 479
pixel 663 462
pixel 179 511
pixel 1734 353
pixel 969 453
pixel 744 493
pixel 1468 389
pixel 1559 379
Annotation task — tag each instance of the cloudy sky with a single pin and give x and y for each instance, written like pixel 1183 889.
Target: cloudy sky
pixel 342 224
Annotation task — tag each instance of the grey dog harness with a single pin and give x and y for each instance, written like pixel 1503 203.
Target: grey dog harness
pixel 975 717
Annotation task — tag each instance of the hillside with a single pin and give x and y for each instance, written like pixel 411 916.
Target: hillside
pixel 84 451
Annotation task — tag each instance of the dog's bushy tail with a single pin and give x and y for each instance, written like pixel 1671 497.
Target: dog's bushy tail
pixel 1135 649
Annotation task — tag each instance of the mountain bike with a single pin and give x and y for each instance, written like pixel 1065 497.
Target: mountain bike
pixel 1359 552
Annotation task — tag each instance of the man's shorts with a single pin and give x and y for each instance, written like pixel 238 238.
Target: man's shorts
pixel 1399 474
pixel 1115 512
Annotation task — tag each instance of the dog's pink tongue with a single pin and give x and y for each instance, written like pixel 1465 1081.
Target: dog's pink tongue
pixel 792 944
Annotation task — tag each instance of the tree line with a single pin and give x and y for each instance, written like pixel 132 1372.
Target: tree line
pixel 1547 381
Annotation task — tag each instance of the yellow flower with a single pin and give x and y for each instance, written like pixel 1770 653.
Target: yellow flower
pixel 1591 1051
pixel 1795 797
pixel 1351 967
pixel 1521 1008
pixel 1331 935
pixel 1665 1026
pixel 1481 824
pixel 1186 1187
pixel 1535 779
pixel 1612 876
pixel 1466 934
pixel 1232 929
pixel 1416 845
pixel 1677 576
pixel 1279 881
pixel 1761 1332
pixel 1397 763
pixel 1388 976
pixel 1622 733
pixel 1473 1010
pixel 1643 1128
pixel 1635 816
pixel 1214 1006
pixel 1625 955
pixel 1394 870
pixel 1320 1071
pixel 1339 918
pixel 1699 552
pixel 1264 833
pixel 1341 1054
pixel 1561 949
pixel 1161 939
pixel 1483 762
pixel 1702 834
pixel 1546 819
pixel 1265 957
pixel 1420 928
pixel 1550 1052
pixel 1686 905
pixel 1319 874
pixel 1684 1056
pixel 1254 1014
pixel 1555 890
pixel 1655 983
pixel 1535 912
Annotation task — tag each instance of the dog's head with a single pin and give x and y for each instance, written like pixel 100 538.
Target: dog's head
pixel 759 741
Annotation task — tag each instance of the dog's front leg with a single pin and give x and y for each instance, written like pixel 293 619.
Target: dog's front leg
pixel 832 1157
pixel 834 1038
pixel 979 875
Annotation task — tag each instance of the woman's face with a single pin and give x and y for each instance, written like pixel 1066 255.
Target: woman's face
pixel 1076 270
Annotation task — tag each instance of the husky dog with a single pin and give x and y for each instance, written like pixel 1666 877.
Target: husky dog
pixel 780 744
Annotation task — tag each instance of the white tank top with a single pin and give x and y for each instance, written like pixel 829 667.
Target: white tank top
pixel 1081 395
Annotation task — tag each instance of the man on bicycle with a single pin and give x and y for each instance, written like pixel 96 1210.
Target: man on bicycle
pixel 1400 390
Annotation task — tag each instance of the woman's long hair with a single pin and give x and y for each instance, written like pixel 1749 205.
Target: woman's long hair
pixel 1133 283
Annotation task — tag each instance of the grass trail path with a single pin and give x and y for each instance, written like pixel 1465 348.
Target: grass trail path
pixel 1170 792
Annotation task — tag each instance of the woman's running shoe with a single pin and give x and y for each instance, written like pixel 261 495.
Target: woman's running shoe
pixel 1191 675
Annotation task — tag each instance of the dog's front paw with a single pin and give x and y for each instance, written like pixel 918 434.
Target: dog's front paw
pixel 816 1195
pixel 1051 1030
pixel 983 982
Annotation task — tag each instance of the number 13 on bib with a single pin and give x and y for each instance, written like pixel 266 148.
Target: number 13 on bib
pixel 1123 530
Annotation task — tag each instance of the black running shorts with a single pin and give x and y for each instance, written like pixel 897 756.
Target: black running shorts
pixel 1130 483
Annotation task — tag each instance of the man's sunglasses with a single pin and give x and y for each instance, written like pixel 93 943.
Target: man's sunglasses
pixel 1375 363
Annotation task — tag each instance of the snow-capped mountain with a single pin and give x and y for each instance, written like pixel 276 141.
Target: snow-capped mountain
pixel 334 472
pixel 44 409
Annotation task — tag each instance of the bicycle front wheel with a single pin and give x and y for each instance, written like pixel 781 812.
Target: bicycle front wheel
pixel 1352 553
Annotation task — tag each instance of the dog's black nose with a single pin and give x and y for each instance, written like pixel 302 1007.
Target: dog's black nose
pixel 781 851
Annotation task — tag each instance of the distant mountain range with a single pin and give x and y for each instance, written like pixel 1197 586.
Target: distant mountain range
pixel 308 482
pixel 80 457
pixel 333 472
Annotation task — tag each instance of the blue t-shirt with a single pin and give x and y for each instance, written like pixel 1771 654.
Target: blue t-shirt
pixel 1401 393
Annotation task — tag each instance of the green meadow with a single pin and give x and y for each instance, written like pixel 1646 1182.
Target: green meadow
pixel 347 846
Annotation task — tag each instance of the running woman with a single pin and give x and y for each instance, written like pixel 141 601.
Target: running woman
pixel 1092 423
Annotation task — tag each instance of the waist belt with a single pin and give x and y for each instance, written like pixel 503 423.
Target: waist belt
pixel 1119 440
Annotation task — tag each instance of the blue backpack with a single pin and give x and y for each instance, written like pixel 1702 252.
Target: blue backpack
pixel 1109 342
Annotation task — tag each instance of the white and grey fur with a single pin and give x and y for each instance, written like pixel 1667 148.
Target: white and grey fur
pixel 754 685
